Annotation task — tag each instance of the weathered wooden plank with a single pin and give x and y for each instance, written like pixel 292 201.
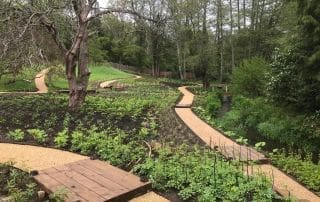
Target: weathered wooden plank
pixel 73 185
pixel 92 180
pixel 50 185
pixel 123 178
pixel 86 182
pixel 102 181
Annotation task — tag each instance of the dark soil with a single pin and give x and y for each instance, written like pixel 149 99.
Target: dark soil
pixel 16 177
pixel 53 116
pixel 174 132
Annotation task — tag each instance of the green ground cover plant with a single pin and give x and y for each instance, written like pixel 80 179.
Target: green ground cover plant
pixel 202 175
pixel 16 183
pixel 300 167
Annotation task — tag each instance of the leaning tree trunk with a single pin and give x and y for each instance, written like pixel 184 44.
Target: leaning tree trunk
pixel 78 55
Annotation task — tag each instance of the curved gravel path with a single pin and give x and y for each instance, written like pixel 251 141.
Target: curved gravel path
pixel 40 81
pixel 282 183
pixel 29 158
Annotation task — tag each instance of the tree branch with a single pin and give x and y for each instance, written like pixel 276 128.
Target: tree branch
pixel 121 10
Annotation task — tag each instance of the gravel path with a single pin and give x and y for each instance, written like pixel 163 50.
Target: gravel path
pixel 285 185
pixel 40 81
pixel 150 197
pixel 282 183
pixel 30 158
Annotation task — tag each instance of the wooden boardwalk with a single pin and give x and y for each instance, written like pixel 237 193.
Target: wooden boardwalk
pixel 282 183
pixel 92 180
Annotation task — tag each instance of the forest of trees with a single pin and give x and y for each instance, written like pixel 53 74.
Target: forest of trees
pixel 209 38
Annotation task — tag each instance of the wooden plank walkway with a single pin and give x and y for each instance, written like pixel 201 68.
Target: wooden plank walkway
pixel 92 180
pixel 283 184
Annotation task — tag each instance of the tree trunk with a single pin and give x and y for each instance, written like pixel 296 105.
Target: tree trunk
pixel 220 17
pixel 231 37
pixel 244 14
pixel 238 10
pixel 77 59
pixel 179 60
pixel 78 87
pixel 261 14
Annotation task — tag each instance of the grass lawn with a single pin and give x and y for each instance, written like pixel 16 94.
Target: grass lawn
pixel 24 81
pixel 99 73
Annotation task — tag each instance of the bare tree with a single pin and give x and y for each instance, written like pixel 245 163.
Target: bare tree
pixel 81 13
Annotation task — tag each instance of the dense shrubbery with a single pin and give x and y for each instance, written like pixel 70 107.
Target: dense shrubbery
pixel 303 169
pixel 288 83
pixel 270 122
pixel 213 103
pixel 249 78
pixel 203 175
pixel 258 120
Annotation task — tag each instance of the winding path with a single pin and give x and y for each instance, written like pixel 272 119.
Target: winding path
pixel 282 183
pixel 40 81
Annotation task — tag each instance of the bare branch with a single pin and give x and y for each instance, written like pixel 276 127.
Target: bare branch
pixel 53 32
pixel 121 10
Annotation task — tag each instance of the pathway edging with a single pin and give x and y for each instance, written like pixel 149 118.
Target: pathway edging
pixel 283 184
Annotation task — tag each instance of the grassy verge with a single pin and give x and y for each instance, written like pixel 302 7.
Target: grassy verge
pixel 24 81
pixel 99 73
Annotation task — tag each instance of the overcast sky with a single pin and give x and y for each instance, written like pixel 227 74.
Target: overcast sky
pixel 103 3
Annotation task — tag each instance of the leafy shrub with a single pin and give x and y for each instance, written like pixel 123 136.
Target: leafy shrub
pixel 112 146
pixel 213 103
pixel 290 84
pixel 59 195
pixel 16 183
pixel 16 135
pixel 303 169
pixel 39 135
pixel 61 140
pixel 202 175
pixel 249 79
pixel 77 141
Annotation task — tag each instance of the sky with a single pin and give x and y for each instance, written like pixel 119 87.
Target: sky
pixel 103 3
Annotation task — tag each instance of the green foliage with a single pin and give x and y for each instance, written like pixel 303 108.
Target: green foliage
pixel 97 54
pixel 288 85
pixel 309 25
pixel 22 80
pixel 303 169
pixel 16 135
pixel 59 195
pixel 16 183
pixel 249 79
pixel 213 103
pixel 61 140
pixel 112 146
pixel 272 123
pixel 39 135
pixel 202 175
pixel 99 73
pixel 259 145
